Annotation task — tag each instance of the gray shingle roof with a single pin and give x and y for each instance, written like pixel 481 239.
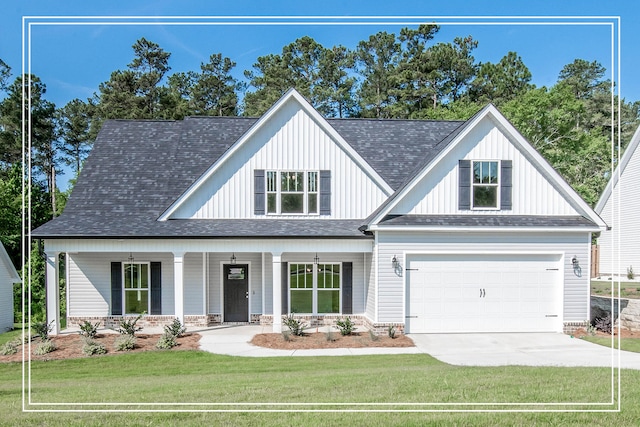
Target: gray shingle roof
pixel 487 221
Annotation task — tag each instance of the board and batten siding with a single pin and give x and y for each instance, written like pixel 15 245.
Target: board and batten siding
pixel 290 141
pixel 532 193
pixel 391 291
pixel 89 287
pixel 622 213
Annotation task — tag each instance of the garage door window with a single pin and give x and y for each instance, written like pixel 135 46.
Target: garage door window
pixel 314 288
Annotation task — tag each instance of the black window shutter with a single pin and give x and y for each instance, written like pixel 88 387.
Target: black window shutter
pixel 506 190
pixel 259 186
pixel 464 184
pixel 325 192
pixel 156 288
pixel 116 289
pixel 285 288
pixel 347 288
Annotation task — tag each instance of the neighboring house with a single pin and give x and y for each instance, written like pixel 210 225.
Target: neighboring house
pixel 429 226
pixel 619 207
pixel 8 276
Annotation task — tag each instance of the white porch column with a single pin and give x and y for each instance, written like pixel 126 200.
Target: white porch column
pixel 53 293
pixel 277 292
pixel 178 285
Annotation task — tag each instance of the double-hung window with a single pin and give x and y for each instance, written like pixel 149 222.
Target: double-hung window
pixel 136 288
pixel 314 288
pixel 292 192
pixel 485 185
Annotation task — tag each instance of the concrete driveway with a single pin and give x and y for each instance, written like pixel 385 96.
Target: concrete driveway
pixel 528 349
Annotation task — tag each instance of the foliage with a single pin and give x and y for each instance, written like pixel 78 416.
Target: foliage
pixel 10 347
pixel 42 329
pixel 125 343
pixel 88 329
pixel 296 326
pixel 91 347
pixel 46 346
pixel 391 331
pixel 630 274
pixel 167 341
pixel 346 326
pixel 128 325
pixel 175 329
pixel 604 324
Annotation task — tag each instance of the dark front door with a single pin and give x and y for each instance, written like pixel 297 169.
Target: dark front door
pixel 236 293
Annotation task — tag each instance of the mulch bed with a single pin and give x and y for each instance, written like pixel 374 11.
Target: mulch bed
pixel 319 340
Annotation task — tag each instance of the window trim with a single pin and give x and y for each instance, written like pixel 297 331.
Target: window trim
pixel 497 185
pixel 314 287
pixel 278 192
pixel 125 290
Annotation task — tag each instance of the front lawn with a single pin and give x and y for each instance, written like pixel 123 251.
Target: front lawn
pixel 159 379
pixel 626 344
pixel 603 288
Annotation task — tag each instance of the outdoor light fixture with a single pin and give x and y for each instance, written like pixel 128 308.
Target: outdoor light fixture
pixel 394 262
pixel 316 260
pixel 575 262
pixel 233 258
pixel 130 258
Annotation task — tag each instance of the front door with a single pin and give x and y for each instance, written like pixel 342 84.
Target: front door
pixel 236 293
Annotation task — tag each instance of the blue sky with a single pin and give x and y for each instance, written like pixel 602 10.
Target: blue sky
pixel 74 59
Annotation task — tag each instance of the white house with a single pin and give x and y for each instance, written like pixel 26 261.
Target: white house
pixel 430 226
pixel 8 276
pixel 619 206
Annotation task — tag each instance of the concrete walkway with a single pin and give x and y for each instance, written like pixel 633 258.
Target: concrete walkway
pixel 532 349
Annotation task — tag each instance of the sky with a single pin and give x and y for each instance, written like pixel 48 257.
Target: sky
pixel 72 56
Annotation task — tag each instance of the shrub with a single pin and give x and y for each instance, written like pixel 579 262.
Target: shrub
pixel 92 347
pixel 10 347
pixel 166 342
pixel 296 326
pixel 175 329
pixel 346 326
pixel 46 346
pixel 391 331
pixel 604 324
pixel 42 329
pixel 88 329
pixel 630 274
pixel 128 326
pixel 125 343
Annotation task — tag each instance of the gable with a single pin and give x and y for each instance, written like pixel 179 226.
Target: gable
pixel 290 137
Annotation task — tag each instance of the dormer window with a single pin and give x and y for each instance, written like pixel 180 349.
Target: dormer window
pixel 292 192
pixel 486 186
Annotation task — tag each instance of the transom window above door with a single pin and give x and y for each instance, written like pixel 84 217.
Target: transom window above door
pixel 292 192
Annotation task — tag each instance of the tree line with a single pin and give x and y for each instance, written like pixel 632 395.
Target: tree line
pixel 406 76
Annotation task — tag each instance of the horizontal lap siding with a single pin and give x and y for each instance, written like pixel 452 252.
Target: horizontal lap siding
pixel 216 280
pixel 6 299
pixel 193 303
pixel 391 287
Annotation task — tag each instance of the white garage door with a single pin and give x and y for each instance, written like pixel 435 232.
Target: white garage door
pixel 483 293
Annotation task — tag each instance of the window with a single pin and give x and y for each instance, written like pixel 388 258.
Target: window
pixel 485 185
pixel 292 192
pixel 136 288
pixel 314 289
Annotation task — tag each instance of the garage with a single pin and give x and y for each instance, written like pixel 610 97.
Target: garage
pixel 448 293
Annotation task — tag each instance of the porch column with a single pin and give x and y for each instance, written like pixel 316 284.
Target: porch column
pixel 178 285
pixel 277 292
pixel 53 293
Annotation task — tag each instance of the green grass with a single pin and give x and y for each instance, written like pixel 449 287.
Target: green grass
pixel 626 344
pixel 191 376
pixel 627 289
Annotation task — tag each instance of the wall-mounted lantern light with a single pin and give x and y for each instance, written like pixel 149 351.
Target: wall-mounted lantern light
pixel 233 258
pixel 316 259
pixel 394 262
pixel 575 262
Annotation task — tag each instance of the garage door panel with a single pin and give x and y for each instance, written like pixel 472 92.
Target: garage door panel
pixel 483 293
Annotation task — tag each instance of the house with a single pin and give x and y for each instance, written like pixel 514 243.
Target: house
pixel 427 226
pixel 8 276
pixel 619 206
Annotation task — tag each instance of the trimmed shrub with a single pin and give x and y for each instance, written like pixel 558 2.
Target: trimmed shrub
pixel 296 326
pixel 46 346
pixel 42 329
pixel 9 348
pixel 88 329
pixel 604 324
pixel 92 347
pixel 346 326
pixel 125 343
pixel 630 274
pixel 128 326
pixel 175 329
pixel 166 342
pixel 391 331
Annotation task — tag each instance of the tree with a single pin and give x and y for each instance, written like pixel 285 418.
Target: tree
pixel 149 66
pixel 175 98
pixel 453 69
pixel 377 61
pixel 501 82
pixel 5 74
pixel 214 92
pixel 334 93
pixel 584 78
pixel 118 97
pixel 271 78
pixel 75 122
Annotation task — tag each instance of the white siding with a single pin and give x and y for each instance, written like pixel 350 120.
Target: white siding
pixel 392 287
pixel 292 140
pixel 89 284
pixel 193 303
pixel 622 213
pixel 370 293
pixel 437 193
pixel 6 298
pixel 216 280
